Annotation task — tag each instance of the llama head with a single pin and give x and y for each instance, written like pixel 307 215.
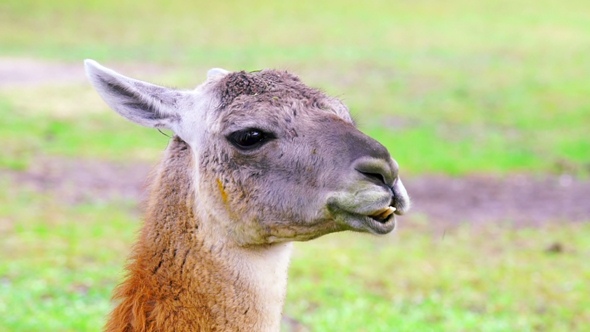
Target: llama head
pixel 274 160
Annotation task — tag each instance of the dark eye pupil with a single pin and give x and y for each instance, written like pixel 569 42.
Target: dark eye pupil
pixel 249 138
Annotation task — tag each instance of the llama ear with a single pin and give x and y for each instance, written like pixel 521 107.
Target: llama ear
pixel 141 102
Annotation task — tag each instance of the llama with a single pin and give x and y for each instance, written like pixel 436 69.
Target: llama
pixel 257 160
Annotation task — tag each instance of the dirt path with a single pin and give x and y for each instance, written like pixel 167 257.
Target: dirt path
pixel 522 200
pixel 29 72
pixel 519 200
pixel 23 72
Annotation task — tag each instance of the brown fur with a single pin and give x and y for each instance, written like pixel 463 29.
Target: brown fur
pixel 174 283
pixel 271 87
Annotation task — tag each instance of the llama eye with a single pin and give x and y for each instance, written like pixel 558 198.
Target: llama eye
pixel 249 139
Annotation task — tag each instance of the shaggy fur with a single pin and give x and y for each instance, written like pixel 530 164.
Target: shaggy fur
pixel 175 281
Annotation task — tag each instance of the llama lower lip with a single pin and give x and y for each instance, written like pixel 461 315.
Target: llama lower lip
pixel 380 226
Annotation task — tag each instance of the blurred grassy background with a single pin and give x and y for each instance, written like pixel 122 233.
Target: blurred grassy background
pixel 460 87
pixel 456 88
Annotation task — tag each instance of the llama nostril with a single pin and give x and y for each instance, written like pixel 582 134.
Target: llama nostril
pixel 379 170
pixel 375 176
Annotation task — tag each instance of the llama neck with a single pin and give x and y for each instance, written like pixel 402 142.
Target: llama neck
pixel 179 279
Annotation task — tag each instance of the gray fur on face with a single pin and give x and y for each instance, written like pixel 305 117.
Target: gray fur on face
pixel 280 190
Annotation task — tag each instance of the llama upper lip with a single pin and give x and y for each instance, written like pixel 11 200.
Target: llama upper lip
pixel 400 200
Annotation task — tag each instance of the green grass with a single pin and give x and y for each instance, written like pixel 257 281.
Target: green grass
pixel 34 132
pixel 488 279
pixel 59 264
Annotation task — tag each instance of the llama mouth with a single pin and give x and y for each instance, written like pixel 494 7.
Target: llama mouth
pixel 379 222
pixel 383 215
pixel 374 214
